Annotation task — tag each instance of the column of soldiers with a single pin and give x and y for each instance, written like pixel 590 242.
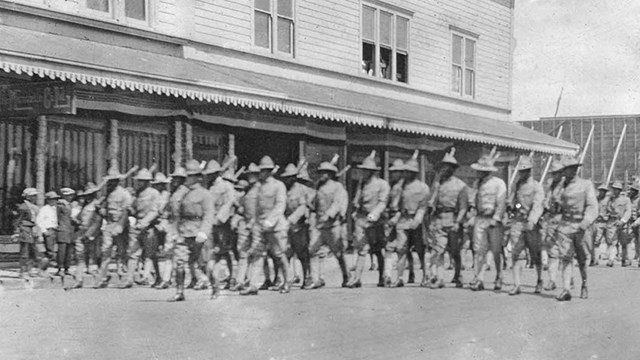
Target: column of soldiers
pixel 203 215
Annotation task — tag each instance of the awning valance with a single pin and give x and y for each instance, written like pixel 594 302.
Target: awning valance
pixel 88 62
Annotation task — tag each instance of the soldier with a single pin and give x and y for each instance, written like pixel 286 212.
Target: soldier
pixel 396 182
pixel 270 230
pixel 194 224
pixel 449 206
pixel 87 240
pixel 412 208
pixel 153 244
pixel 171 215
pixel 47 222
pixel 524 231
pixel 297 215
pixel 218 246
pixel 26 233
pixel 600 226
pixel 490 205
pixel 114 209
pixel 633 231
pixel 619 215
pixel 550 221
pixel 247 209
pixel 579 210
pixel 369 203
pixel 309 187
pixel 328 207
pixel 65 230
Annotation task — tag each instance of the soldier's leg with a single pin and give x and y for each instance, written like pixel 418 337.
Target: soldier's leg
pixel 417 243
pixel 134 250
pixel 24 259
pixel 361 248
pixel 82 264
pixel 279 243
pixel 611 237
pixel 402 248
pixel 582 249
pixel 107 251
pixel 454 247
pixel 154 239
pixel 481 249
pixel 391 255
pixel 335 243
pixel 182 255
pixel 566 251
pixel 243 246
pixel 496 241
pixel 624 244
pixel 299 239
pixel 212 253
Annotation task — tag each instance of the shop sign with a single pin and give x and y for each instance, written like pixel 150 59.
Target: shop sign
pixel 37 99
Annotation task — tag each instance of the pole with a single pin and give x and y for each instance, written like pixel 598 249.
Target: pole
pixel 548 165
pixel 586 148
pixel 615 155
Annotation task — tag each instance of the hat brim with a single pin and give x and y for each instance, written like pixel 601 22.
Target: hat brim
pixel 286 174
pixel 412 169
pixel 178 175
pixel 267 167
pixel 478 167
pixel 193 173
pixel 571 165
pixel 395 168
pixel 209 172
pixel 363 167
pixel 327 170
pixel 442 163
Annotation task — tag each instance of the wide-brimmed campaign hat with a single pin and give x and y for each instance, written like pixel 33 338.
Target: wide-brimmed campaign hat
pixel 179 172
pixel 617 185
pixel 160 178
pixel 556 166
pixel 29 192
pixel 144 175
pixel 65 191
pixel 252 169
pixel 412 164
pixel 212 168
pixel 569 161
pixel 289 170
pixel 330 166
pixel 486 162
pixel 525 163
pixel 193 167
pixel 397 165
pixel 266 163
pixel 369 163
pixel 449 158
pixel 113 174
pixel 89 189
pixel 51 195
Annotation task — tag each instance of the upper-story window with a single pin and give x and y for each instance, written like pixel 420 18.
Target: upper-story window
pixel 131 12
pixel 274 25
pixel 385 43
pixel 463 64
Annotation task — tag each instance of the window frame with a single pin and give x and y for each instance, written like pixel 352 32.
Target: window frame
pixel 274 17
pixel 396 13
pixel 466 36
pixel 117 13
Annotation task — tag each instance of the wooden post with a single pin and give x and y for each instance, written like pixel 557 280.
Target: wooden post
pixel 385 160
pixel 302 149
pixel 423 168
pixel 41 157
pixel 232 145
pixel 188 140
pixel 177 144
pixel 114 143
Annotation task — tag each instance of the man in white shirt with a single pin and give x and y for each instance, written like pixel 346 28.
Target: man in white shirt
pixel 47 222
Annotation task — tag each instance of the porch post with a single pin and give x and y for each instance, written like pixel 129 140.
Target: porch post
pixel 41 157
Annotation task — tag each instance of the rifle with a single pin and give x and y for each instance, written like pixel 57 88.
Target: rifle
pixel 615 155
pixel 550 159
pixel 343 171
pixel 586 148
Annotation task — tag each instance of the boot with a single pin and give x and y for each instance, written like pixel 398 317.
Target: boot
pixel 458 282
pixel 316 285
pixel 214 292
pixel 398 284
pixel 425 281
pixel 251 290
pixel 285 288
pixel 412 277
pixel 439 284
pixel 584 293
pixel 266 285
pixel 296 280
pixel 177 297
pixel 354 284
pixel 192 283
pixel 538 289
pixel 551 285
pixel 387 281
pixel 477 286
pixel 163 285
pixel 308 282
pixel 515 290
pixel 498 285
pixel 231 284
pixel 565 295
pixel 127 285
pixel 77 285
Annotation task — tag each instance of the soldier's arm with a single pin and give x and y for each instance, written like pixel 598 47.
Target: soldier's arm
pixel 280 203
pixel 383 198
pixel 300 211
pixel 463 204
pixel 225 211
pixel 153 213
pixel 356 197
pixel 501 201
pixel 591 206
pixel 208 213
pixel 627 211
pixel 339 200
pixel 422 206
pixel 537 206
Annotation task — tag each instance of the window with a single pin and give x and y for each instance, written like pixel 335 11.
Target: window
pixel 385 44
pixel 123 11
pixel 274 25
pixel 463 65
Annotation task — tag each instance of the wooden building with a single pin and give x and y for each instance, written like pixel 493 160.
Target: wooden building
pixel 600 152
pixel 90 83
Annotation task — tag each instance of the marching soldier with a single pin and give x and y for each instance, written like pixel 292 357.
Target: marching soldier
pixel 170 221
pixel 47 222
pixel 154 243
pixel 449 208
pixel 600 226
pixel 114 209
pixel 490 205
pixel 328 208
pixel 412 208
pixel 579 210
pixel 310 189
pixel 194 224
pixel 634 233
pixel 144 209
pixel 270 230
pixel 247 209
pixel 551 220
pixel 65 230
pixel 619 215
pixel 524 231
pixel 219 245
pixel 296 213
pixel 396 183
pixel 26 233
pixel 369 203
pixel 88 237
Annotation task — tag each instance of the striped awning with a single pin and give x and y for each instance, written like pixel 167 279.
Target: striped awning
pixel 88 62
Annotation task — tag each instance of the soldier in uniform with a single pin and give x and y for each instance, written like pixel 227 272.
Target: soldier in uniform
pixel 270 230
pixel 194 224
pixel 448 205
pixel 171 215
pixel 619 215
pixel 297 215
pixel 47 222
pixel 550 221
pixel 579 210
pixel 309 187
pixel 114 209
pixel 154 243
pixel 369 204
pixel 524 231
pixel 87 240
pixel 490 205
pixel 396 182
pixel 633 229
pixel 219 245
pixel 26 233
pixel 65 230
pixel 412 208
pixel 600 226
pixel 247 210
pixel 328 207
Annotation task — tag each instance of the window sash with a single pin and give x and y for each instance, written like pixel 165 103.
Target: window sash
pixel 99 5
pixel 264 5
pixel 285 35
pixel 463 63
pixel 262 38
pixel 129 5
pixel 368 23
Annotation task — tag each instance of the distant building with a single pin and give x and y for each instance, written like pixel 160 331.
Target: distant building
pixel 599 156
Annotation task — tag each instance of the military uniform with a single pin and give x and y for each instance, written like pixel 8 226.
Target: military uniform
pixel 248 208
pixel 297 215
pixel 600 225
pixel 145 210
pixel 171 215
pixel 88 235
pixel 631 230
pixel 619 214
pixel 66 231
pixel 26 233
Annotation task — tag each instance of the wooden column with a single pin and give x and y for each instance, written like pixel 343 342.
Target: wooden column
pixel 385 168
pixel 188 134
pixel 114 143
pixel 177 144
pixel 302 149
pixel 232 144
pixel 41 157
pixel 423 168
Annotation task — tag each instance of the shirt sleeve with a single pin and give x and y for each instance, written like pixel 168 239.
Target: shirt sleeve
pixel 383 198
pixel 537 206
pixel 225 211
pixel 501 201
pixel 591 205
pixel 299 211
pixel 422 205
pixel 463 203
pixel 208 212
pixel 153 212
pixel 627 211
